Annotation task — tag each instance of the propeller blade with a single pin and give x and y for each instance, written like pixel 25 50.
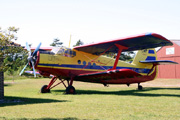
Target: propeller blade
pixel 35 51
pixel 33 68
pixel 34 72
pixel 23 69
pixel 28 48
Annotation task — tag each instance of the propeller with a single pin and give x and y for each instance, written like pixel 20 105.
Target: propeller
pixel 31 58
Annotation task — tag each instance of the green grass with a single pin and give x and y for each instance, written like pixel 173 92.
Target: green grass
pixel 160 99
pixel 16 76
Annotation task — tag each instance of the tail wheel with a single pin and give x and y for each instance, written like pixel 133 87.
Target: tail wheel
pixel 70 90
pixel 44 89
pixel 140 87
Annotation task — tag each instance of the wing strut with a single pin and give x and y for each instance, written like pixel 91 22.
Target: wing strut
pixel 120 48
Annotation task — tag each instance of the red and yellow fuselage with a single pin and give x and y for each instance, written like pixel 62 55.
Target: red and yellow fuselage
pixel 71 63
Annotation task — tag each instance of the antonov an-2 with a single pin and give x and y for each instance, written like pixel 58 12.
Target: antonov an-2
pixel 88 63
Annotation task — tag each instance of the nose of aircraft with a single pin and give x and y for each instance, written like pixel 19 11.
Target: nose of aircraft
pixel 33 58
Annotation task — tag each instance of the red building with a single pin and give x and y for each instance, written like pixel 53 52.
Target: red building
pixel 169 53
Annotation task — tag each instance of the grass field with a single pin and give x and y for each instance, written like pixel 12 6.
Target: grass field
pixel 160 100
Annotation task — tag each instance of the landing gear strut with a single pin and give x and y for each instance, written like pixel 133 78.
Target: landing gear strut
pixel 69 88
pixel 140 87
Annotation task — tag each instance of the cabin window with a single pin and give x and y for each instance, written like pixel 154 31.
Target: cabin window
pixel 94 65
pixel 79 61
pixel 89 63
pixel 84 62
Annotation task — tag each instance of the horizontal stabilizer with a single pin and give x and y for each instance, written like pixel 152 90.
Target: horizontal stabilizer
pixel 159 62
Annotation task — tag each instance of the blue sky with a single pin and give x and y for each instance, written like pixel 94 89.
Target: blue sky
pixel 89 20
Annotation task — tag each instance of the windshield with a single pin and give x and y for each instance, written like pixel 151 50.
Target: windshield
pixel 55 50
pixel 64 51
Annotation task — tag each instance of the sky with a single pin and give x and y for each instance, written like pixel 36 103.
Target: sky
pixel 88 20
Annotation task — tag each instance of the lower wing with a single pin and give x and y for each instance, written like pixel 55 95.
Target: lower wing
pixel 37 73
pixel 108 75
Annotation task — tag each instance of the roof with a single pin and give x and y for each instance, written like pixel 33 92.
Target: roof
pixel 176 42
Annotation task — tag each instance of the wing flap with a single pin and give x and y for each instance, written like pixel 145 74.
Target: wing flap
pixel 139 42
pixel 108 75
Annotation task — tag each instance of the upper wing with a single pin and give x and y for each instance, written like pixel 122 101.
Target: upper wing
pixel 139 42
pixel 108 75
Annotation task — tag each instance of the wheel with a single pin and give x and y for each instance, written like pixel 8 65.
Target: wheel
pixel 70 90
pixel 140 87
pixel 44 89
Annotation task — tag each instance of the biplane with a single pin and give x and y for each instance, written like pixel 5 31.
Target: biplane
pixel 89 63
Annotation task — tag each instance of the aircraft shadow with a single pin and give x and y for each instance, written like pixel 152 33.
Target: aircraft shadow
pixel 11 101
pixel 140 93
pixel 68 118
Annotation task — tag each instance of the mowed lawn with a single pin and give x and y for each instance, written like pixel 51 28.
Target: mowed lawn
pixel 160 100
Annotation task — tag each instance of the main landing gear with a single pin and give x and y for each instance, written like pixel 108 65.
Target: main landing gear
pixel 69 88
pixel 140 87
pixel 44 89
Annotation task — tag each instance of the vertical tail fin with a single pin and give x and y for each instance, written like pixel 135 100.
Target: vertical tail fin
pixel 143 55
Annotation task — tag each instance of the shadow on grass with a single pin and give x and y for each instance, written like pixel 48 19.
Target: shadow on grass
pixel 7 84
pixel 68 118
pixel 10 101
pixel 140 93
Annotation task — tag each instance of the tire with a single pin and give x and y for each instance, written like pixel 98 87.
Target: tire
pixel 44 89
pixel 140 87
pixel 70 90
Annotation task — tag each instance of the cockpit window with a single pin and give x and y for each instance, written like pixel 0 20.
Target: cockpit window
pixel 60 52
pixel 69 53
pixel 72 53
pixel 55 50
pixel 64 51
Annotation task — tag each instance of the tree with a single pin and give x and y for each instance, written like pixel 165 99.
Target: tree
pixel 8 50
pixel 15 63
pixel 56 43
pixel 78 43
pixel 127 56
